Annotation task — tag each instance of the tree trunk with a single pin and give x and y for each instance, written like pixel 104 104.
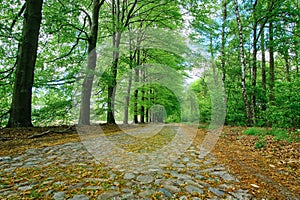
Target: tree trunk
pixel 147 115
pixel 143 76
pixel 116 16
pixel 243 62
pixel 272 63
pixel 223 41
pixel 223 55
pixel 263 70
pixel 113 83
pixel 287 65
pixel 136 92
pixel 135 104
pixel 143 108
pixel 254 72
pixel 20 111
pixel 127 98
pixel 84 116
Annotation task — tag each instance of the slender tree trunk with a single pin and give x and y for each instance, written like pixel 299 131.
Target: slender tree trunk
pixel 136 94
pixel 143 108
pixel 297 43
pixel 143 98
pixel 223 55
pixel 211 49
pixel 287 65
pixel 147 115
pixel 20 111
pixel 113 83
pixel 84 116
pixel 116 13
pixel 297 61
pixel 254 72
pixel 272 63
pixel 263 70
pixel 127 98
pixel 243 62
pixel 223 41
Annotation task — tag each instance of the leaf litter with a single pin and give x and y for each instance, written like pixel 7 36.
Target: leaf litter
pixel 271 172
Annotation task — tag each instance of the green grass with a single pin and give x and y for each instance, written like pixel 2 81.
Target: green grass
pixel 279 135
pixel 252 131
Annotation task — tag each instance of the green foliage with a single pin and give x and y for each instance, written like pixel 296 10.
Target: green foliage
pixel 202 92
pixel 63 51
pixel 279 134
pixel 285 111
pixel 261 142
pixel 252 131
pixel 51 107
pixel 260 134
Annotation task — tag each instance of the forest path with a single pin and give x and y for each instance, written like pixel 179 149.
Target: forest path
pixel 70 171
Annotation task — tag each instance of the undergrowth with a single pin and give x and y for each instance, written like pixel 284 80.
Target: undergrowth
pixel 278 134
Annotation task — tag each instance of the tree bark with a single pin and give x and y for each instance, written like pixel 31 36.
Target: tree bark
pixel 287 65
pixel 254 72
pixel 223 55
pixel 147 115
pixel 20 111
pixel 84 116
pixel 263 70
pixel 136 92
pixel 272 63
pixel 223 41
pixel 143 98
pixel 243 63
pixel 113 83
pixel 121 15
pixel 116 16
pixel 127 98
pixel 135 104
pixel 254 62
pixel 132 63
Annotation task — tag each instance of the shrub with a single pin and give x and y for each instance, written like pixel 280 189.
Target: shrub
pixel 261 142
pixel 252 131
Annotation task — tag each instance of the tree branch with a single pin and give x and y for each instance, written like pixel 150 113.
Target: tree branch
pixel 77 42
pixel 67 54
pixel 4 114
pixel 88 16
pixel 10 72
pixel 19 15
pixel 70 129
pixel 130 13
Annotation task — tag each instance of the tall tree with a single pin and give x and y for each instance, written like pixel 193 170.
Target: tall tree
pixel 254 60
pixel 272 62
pixel 122 12
pixel 84 117
pixel 20 112
pixel 132 55
pixel 243 63
pixel 263 70
pixel 223 40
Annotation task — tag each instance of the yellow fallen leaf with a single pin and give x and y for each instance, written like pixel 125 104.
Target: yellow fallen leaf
pixel 273 166
pixel 255 186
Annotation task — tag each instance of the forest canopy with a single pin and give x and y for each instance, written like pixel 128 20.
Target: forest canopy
pixel 122 61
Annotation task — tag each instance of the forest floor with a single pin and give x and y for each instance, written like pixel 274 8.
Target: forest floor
pixel 270 172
